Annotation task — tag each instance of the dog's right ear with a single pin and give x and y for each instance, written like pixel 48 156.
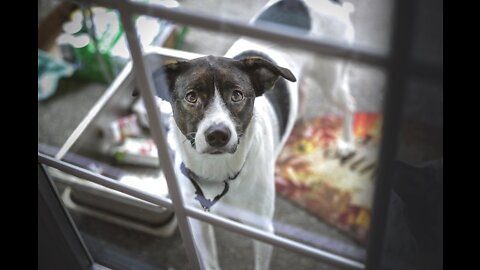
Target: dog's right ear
pixel 264 74
pixel 164 78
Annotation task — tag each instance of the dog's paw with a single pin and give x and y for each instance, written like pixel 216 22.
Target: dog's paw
pixel 344 148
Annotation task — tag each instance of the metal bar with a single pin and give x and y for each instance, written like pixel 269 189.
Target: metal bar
pixel 275 33
pixel 195 213
pixel 145 84
pixel 58 236
pixel 401 40
pixel 421 71
pixel 177 54
pixel 104 181
pixel 273 239
pixel 428 72
pixel 94 111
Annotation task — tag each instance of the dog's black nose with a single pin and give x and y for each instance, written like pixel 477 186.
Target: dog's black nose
pixel 217 135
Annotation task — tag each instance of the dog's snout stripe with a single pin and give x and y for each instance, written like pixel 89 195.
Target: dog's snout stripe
pixel 217 114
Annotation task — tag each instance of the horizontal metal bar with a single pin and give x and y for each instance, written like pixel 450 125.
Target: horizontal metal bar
pixel 104 181
pixel 275 33
pixel 173 53
pixel 195 213
pixel 421 71
pixel 273 239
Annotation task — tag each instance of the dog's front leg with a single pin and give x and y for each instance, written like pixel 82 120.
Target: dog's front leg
pixel 264 199
pixel 205 244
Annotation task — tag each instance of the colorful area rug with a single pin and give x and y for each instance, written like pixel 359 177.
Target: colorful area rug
pixel 338 190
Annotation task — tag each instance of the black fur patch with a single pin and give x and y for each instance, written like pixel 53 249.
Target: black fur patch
pixel 278 96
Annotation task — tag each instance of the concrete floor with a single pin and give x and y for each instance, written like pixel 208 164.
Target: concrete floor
pixel 58 117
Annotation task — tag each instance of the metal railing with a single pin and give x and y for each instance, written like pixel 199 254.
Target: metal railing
pixel 395 63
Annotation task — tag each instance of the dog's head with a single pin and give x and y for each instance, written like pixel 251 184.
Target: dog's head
pixel 212 98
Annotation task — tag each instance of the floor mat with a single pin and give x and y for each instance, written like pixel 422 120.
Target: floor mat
pixel 338 190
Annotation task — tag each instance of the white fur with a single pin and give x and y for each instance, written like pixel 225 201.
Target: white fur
pixel 282 60
pixel 253 191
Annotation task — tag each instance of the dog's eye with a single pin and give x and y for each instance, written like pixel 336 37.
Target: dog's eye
pixel 237 96
pixel 191 96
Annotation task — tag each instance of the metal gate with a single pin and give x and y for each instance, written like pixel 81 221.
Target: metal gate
pixel 397 66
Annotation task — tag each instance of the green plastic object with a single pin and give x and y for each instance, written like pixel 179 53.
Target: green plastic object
pixel 181 37
pixel 78 47
pixel 100 52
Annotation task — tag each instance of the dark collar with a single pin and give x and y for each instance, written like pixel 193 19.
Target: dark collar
pixel 194 178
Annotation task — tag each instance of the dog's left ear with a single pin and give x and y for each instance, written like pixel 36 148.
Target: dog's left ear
pixel 263 74
pixel 165 77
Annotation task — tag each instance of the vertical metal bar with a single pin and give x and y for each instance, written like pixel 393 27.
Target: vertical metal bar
pixel 57 231
pixel 401 40
pixel 145 84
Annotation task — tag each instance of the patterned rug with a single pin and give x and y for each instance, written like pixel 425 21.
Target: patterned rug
pixel 338 190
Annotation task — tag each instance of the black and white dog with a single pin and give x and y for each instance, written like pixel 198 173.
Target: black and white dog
pixel 231 117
